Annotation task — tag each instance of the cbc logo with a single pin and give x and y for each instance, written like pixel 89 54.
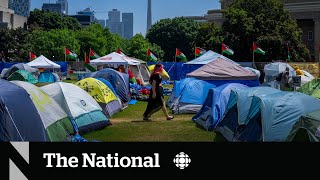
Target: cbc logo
pixel 182 160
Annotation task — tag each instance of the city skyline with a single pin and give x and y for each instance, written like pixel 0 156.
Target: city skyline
pixel 160 9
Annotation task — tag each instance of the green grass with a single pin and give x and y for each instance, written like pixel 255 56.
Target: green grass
pixel 128 126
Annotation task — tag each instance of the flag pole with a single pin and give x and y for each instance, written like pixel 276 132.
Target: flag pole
pixel 65 55
pixel 252 55
pixel 175 56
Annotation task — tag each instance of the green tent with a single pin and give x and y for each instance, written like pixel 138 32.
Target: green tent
pixel 311 88
pixel 22 75
pixel 309 122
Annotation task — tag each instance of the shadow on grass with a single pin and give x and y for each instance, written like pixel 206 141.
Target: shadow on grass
pixel 217 136
pixel 142 121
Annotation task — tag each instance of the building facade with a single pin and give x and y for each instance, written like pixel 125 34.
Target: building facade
pixel 127 21
pixel 114 24
pixel 8 18
pixel 57 8
pixel 85 17
pixel 64 6
pixel 102 22
pixel 20 7
pixel 306 12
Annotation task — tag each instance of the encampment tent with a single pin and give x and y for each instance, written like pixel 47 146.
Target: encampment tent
pixel 141 72
pixel 119 81
pixel 43 62
pixel 19 66
pixel 309 122
pixel 54 118
pixel 272 70
pixel 22 75
pixel 311 88
pixel 19 118
pixel 114 59
pixel 189 96
pixel 79 105
pixel 102 94
pixel 215 105
pixel 241 103
pixel 221 71
pixel 46 77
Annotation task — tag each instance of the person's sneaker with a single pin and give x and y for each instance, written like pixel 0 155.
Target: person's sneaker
pixel 170 118
pixel 146 119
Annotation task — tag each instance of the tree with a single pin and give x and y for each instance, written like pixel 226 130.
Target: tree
pixel 138 47
pixel 209 37
pixel 13 44
pixel 267 23
pixel 52 43
pixel 50 20
pixel 92 37
pixel 170 34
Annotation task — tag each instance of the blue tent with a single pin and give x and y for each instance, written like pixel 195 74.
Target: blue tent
pixel 19 118
pixel 239 104
pixel 215 105
pixel 46 77
pixel 119 81
pixel 280 114
pixel 188 95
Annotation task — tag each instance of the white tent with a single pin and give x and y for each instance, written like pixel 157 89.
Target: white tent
pixel 43 62
pixel 208 57
pixel 78 104
pixel 115 59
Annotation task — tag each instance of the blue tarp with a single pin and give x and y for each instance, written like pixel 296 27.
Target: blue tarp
pixel 64 65
pixel 19 118
pixel 46 77
pixel 215 105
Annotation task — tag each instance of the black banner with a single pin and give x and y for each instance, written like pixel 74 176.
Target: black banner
pixel 154 160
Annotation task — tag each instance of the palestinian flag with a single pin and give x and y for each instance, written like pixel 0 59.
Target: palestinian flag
pixel 32 56
pixel 199 51
pixel 151 56
pixel 70 54
pixel 120 52
pixel 93 55
pixel 227 50
pixel 179 54
pixel 256 49
pixel 86 59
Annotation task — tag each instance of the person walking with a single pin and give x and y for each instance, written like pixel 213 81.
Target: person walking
pixel 156 97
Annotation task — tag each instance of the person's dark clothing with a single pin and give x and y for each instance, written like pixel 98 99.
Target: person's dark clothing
pixel 156 104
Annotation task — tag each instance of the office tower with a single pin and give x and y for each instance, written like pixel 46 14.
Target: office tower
pixel 127 21
pixel 20 7
pixel 64 6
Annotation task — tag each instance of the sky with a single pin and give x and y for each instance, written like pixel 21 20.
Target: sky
pixel 160 9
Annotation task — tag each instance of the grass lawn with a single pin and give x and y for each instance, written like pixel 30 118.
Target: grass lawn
pixel 128 126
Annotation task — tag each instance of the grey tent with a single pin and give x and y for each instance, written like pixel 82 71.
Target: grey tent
pixel 141 71
pixel 221 71
pixel 20 66
pixel 309 122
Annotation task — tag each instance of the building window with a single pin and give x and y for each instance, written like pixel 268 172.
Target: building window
pixel 310 35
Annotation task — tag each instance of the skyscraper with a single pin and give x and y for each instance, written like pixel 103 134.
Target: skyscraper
pixel 114 24
pixel 64 6
pixel 20 7
pixel 57 8
pixel 149 16
pixel 127 21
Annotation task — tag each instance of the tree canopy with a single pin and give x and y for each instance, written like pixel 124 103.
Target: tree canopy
pixel 267 23
pixel 174 33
